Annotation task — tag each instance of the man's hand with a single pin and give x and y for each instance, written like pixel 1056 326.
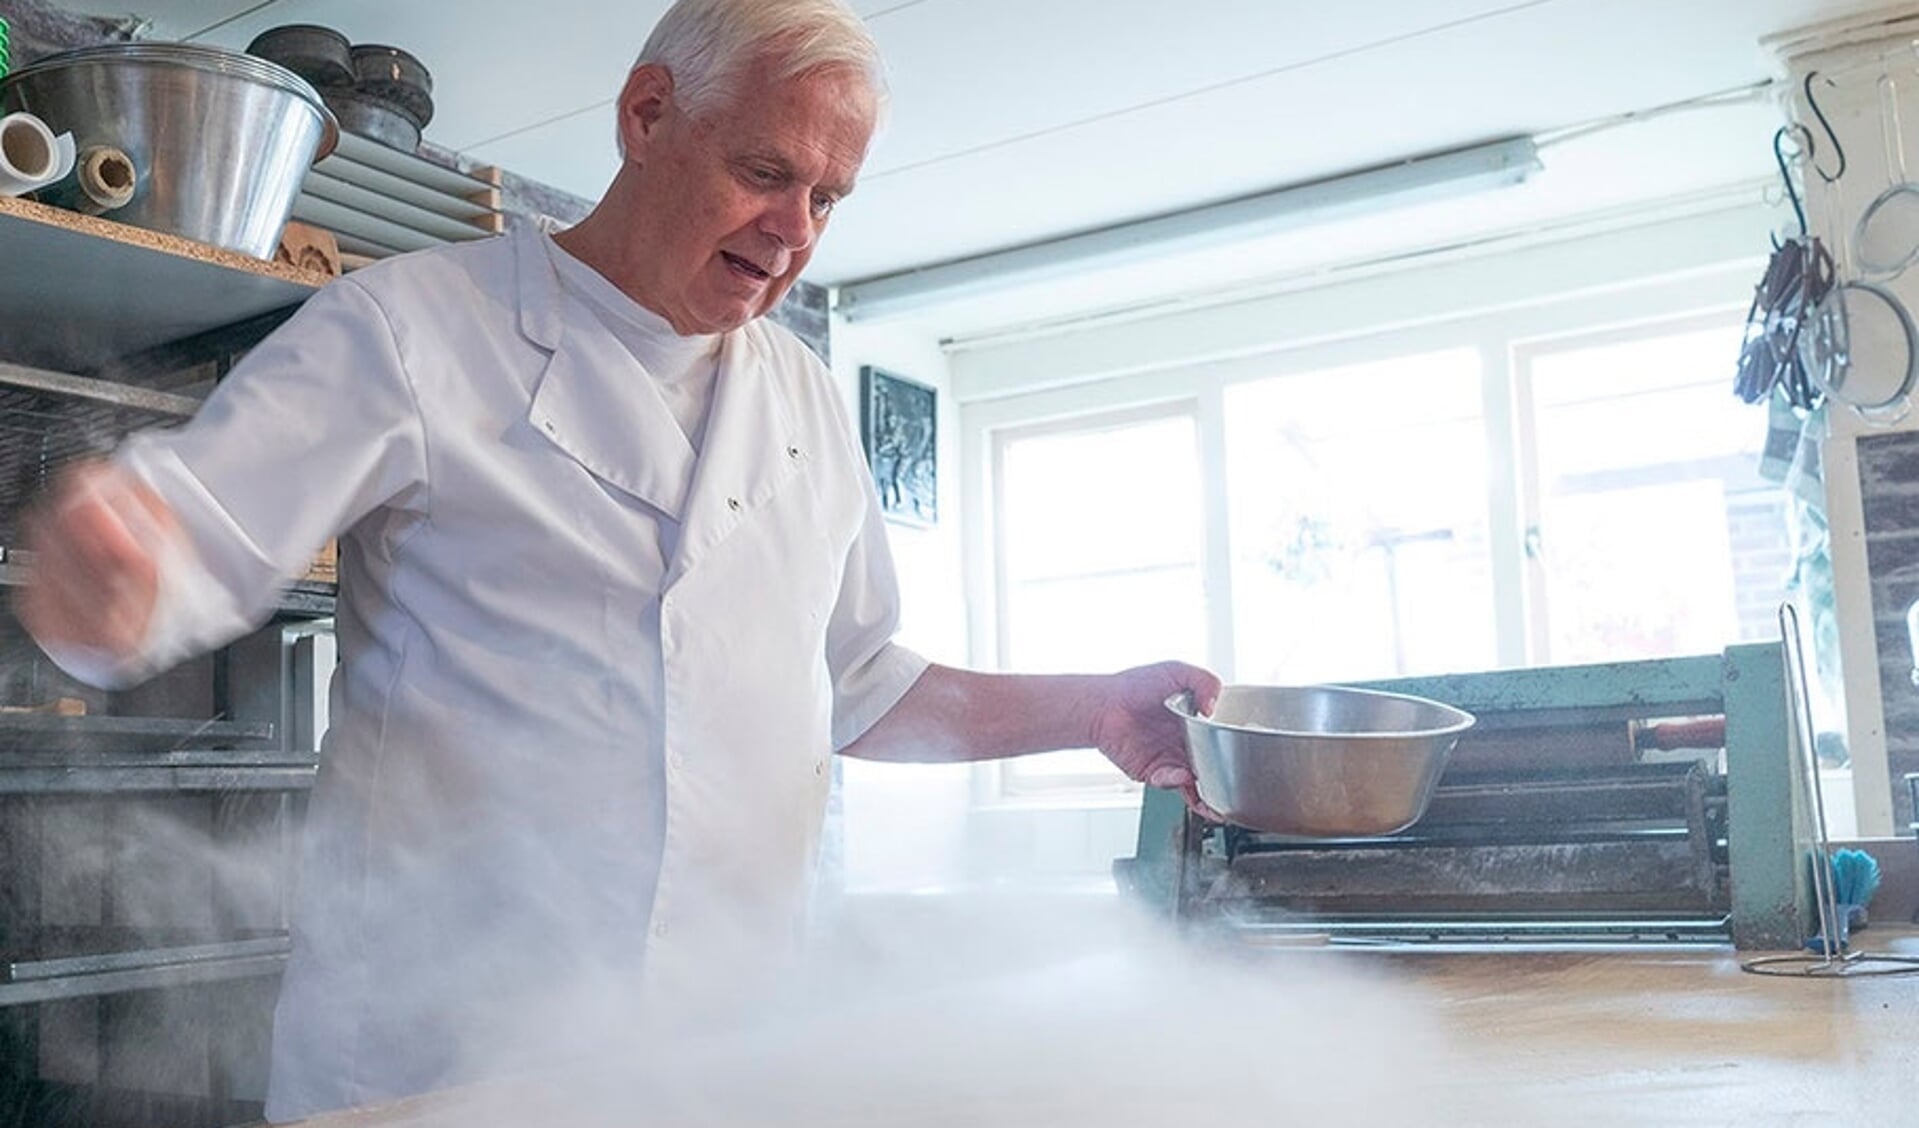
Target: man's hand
pixel 1137 732
pixel 96 542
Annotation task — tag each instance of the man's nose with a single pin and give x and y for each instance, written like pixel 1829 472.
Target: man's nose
pixel 790 220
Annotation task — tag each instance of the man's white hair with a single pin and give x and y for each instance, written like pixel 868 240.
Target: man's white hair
pixel 707 45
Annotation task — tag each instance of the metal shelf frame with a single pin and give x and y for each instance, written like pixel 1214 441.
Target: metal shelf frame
pixel 49 418
pixel 103 326
pixel 40 981
pixel 164 774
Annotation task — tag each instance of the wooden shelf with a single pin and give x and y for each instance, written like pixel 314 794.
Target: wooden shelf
pixel 78 292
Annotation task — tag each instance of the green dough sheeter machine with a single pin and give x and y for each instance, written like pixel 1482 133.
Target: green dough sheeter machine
pixel 1638 802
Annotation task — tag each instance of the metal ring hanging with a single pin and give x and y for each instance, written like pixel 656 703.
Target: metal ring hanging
pixel 1827 352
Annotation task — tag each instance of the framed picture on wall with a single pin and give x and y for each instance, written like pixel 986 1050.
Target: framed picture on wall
pixel 899 422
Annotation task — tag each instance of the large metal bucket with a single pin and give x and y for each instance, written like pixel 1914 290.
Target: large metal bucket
pixel 218 141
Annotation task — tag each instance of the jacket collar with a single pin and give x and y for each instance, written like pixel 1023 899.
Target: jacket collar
pixel 594 401
pixel 598 405
pixel 539 286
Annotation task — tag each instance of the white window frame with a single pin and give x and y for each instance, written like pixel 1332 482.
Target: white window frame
pixel 1496 420
pixel 995 784
pixel 1529 488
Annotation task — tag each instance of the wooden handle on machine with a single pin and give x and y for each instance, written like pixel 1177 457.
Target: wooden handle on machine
pixel 1706 732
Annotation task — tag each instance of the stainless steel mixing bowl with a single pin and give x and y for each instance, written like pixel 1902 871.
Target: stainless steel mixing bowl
pixel 1319 761
pixel 219 141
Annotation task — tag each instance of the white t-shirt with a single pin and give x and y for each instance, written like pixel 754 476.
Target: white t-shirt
pixel 684 367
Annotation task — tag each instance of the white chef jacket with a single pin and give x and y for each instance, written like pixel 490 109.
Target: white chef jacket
pixel 562 766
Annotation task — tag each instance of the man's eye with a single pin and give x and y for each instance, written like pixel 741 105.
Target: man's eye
pixel 823 206
pixel 765 176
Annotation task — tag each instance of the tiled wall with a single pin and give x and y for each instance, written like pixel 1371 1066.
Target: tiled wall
pixel 37 28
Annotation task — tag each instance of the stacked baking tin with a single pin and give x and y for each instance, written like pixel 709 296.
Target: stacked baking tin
pixel 374 90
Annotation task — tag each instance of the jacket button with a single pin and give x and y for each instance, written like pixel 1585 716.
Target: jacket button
pixel 659 928
pixel 792 452
pixel 733 503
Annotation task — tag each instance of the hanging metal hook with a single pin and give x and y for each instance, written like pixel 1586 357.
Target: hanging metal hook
pixel 1838 149
pixel 1785 169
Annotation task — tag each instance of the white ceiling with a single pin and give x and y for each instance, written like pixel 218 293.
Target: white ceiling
pixel 1016 120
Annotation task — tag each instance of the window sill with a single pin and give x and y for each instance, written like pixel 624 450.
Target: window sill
pixel 1118 801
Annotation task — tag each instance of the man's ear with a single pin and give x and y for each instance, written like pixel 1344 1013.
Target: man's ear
pixel 644 102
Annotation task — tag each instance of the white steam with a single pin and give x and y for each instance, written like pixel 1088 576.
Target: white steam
pixel 1040 1016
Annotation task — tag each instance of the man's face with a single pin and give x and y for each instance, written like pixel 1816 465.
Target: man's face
pixel 733 201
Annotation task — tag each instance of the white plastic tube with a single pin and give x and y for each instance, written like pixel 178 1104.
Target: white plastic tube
pixel 31 157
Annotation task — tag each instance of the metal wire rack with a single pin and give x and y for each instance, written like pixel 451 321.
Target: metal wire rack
pixel 1831 959
pixel 48 419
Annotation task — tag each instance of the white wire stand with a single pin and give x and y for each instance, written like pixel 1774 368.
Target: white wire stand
pixel 1832 959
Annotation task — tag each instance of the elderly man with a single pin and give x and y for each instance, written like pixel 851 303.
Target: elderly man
pixel 613 587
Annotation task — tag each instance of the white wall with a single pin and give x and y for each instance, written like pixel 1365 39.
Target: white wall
pixel 914 827
pixel 1529 272
pixel 905 825
pixel 933 615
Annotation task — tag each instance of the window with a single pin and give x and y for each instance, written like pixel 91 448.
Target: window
pixel 1651 532
pixel 1100 565
pixel 1358 522
pixel 1379 522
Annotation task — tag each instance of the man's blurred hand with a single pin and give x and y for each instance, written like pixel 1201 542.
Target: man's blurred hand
pixel 97 540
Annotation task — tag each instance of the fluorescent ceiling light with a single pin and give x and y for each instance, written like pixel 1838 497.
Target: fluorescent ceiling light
pixel 1415 181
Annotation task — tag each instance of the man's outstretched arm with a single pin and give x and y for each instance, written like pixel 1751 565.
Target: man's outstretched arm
pixel 953 715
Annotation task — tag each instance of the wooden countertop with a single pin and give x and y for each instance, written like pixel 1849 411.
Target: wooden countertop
pixel 1538 1038
pixel 1684 1038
